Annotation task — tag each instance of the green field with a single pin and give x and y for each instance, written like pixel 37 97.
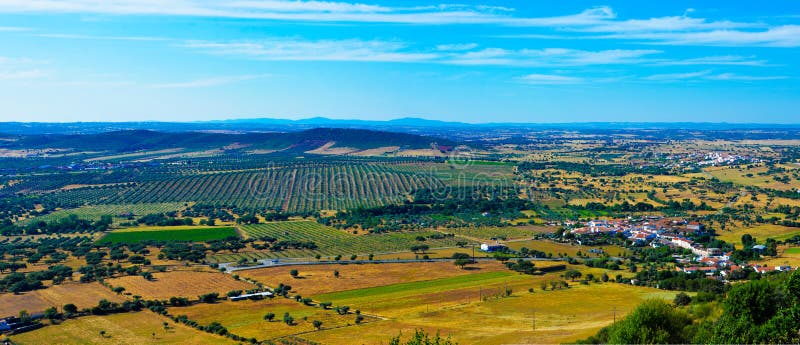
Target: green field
pixel 331 241
pixel 488 232
pixel 169 235
pixel 416 288
pixel 794 250
pixel 94 212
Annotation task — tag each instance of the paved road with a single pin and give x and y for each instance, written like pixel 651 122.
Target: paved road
pixel 231 267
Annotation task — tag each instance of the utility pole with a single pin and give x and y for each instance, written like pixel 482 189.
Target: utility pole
pixel 615 314
pixel 534 320
pixel 473 252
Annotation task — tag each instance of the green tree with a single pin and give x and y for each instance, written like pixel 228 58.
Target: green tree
pixel 269 316
pixel 421 337
pixel 652 322
pixel 682 299
pixel 461 262
pixel 317 324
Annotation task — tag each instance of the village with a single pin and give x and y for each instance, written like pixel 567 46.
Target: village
pixel 675 233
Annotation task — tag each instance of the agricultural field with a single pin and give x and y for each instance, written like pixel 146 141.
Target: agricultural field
pixel 331 242
pixel 179 283
pixel 129 328
pixel 451 306
pixel 503 233
pixel 318 279
pixel 565 248
pixel 245 318
pixel 82 295
pixel 761 232
pixel 94 212
pixel 290 188
pixel 169 234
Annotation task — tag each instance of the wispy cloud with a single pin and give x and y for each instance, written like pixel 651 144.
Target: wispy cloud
pixel 731 76
pixel 293 49
pixel 208 82
pixel 677 76
pixel 12 29
pixel 23 74
pixel 549 57
pixel 322 50
pixel 708 75
pixel 109 38
pixel 326 11
pixel 785 36
pixel 729 60
pixel 457 47
pixel 550 79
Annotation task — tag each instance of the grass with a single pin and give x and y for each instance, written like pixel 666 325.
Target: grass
pixel 82 295
pixel 760 232
pixel 127 328
pixel 413 288
pixel 245 318
pixel 451 307
pixel 94 212
pixel 331 242
pixel 488 232
pixel 320 279
pixel 793 251
pixel 180 284
pixel 169 235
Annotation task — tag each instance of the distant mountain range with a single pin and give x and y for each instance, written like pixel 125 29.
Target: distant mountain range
pixel 405 125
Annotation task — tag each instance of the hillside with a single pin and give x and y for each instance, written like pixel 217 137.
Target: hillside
pixel 137 140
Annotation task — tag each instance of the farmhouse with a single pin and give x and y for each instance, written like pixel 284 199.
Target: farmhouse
pixel 492 247
pixel 256 295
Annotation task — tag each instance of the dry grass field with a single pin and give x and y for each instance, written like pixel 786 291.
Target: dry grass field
pixel 128 328
pixel 180 284
pixel 81 295
pixel 555 248
pixel 320 279
pixel 760 232
pixel 245 318
pixel 561 315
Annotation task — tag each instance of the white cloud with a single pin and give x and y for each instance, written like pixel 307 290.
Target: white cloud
pixel 312 6
pixel 208 82
pixel 457 47
pixel 552 57
pixel 550 79
pixel 324 11
pixel 322 50
pixel 785 36
pixel 294 49
pixel 109 38
pixel 23 74
pixel 12 28
pixel 730 60
pixel 677 76
pixel 708 75
pixel 731 76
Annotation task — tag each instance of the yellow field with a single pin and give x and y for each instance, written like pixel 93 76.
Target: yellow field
pixel 81 295
pixel 561 316
pixel 245 318
pixel 320 278
pixel 555 248
pixel 760 232
pixel 180 284
pixel 128 328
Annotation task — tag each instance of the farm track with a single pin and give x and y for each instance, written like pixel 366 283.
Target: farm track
pixel 229 267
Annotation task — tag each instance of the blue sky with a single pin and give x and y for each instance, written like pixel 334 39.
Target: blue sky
pixel 472 61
